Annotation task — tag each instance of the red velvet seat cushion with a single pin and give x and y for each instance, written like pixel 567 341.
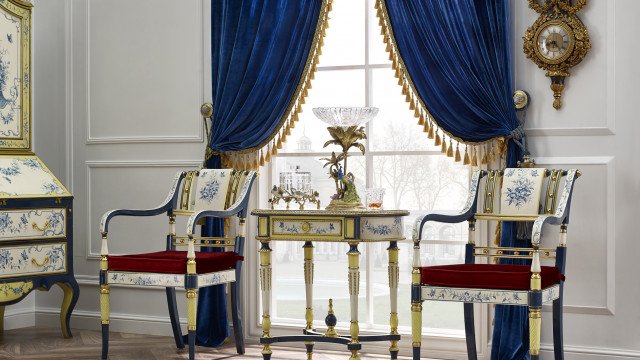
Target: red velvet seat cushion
pixel 174 262
pixel 487 276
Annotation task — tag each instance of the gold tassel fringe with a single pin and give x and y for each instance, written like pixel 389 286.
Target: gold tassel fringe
pixel 430 126
pixel 260 155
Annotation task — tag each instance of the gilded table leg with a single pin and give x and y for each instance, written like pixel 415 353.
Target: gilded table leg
pixel 394 277
pixel 265 282
pixel 308 284
pixel 354 290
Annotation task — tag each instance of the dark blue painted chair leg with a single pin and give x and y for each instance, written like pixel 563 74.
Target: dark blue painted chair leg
pixel 192 344
pixel 309 347
pixel 236 313
pixel 394 354
pixel 105 341
pixel 558 346
pixel 173 315
pixel 416 353
pixel 470 331
pixel 266 356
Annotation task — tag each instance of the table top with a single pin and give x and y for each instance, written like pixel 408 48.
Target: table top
pixel 349 213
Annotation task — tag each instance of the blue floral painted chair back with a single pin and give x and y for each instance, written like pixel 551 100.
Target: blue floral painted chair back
pixel 212 189
pixel 520 193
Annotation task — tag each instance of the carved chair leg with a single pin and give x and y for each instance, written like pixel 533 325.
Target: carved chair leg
pixel 236 313
pixel 104 315
pixel 192 304
pixel 558 344
pixel 470 331
pixel 173 315
pixel 416 328
pixel 534 332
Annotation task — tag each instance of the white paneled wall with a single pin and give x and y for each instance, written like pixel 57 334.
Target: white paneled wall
pixel 118 85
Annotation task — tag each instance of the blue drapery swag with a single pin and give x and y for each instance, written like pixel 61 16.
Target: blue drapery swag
pixel 264 54
pixel 453 61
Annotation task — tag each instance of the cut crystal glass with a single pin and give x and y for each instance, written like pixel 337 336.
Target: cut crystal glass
pixel 345 116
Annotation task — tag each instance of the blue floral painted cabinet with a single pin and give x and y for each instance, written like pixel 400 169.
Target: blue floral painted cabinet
pixel 36 227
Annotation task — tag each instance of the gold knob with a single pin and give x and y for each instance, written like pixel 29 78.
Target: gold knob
pixel 206 110
pixel 306 226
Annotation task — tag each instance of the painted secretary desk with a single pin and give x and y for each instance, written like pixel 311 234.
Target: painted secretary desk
pixel 36 227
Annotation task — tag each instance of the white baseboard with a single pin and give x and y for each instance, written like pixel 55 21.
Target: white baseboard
pixel 591 353
pixel 161 325
pixel 19 318
pixel 130 323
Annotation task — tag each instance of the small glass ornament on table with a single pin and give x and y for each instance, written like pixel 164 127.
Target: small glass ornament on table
pixel 374 198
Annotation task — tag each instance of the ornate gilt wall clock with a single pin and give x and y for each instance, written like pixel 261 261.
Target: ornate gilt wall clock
pixel 557 40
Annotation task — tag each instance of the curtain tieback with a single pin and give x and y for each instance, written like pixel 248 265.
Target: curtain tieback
pixel 519 137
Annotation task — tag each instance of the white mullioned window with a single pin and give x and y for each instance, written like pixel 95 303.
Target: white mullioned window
pixel 355 70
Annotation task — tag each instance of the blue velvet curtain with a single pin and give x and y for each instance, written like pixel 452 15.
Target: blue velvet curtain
pixel 259 51
pixel 457 53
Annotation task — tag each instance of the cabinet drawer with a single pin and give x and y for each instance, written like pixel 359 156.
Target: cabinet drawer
pixel 33 260
pixel 24 224
pixel 307 228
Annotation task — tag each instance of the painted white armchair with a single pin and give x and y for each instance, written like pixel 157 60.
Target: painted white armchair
pixel 514 194
pixel 196 194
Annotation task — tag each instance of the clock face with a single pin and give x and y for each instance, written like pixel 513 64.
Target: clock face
pixel 554 41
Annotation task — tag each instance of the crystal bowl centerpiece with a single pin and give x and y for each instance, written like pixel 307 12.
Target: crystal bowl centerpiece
pixel 345 116
pixel 346 131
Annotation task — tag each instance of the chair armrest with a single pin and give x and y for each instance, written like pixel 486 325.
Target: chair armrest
pixel 465 214
pixel 562 210
pixel 238 207
pixel 166 205
pixel 192 222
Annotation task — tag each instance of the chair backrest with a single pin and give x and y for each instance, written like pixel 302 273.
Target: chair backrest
pixel 518 192
pixel 211 189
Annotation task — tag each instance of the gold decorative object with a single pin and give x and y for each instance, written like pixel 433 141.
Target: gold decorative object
pixel 557 41
pixel 299 197
pixel 520 99
pixel 345 132
pixel 331 321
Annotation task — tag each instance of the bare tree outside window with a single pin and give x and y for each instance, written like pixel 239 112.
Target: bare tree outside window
pixel 354 71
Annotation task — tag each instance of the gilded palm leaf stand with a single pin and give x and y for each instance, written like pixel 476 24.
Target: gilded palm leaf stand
pixel 36 222
pixel 351 227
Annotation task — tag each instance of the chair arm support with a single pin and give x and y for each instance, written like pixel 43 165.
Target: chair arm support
pixel 443 218
pixel 536 233
pixel 193 219
pixel 465 214
pixel 166 205
pixel 562 211
pixel 106 218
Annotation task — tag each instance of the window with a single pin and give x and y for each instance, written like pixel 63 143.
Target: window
pixel 354 70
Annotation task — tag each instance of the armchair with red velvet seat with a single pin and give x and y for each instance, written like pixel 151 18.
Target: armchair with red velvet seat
pixel 196 194
pixel 516 193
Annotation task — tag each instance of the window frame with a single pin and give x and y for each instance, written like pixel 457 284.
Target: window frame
pixel 439 344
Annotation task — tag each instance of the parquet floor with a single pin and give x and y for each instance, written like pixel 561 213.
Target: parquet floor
pixel 47 343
